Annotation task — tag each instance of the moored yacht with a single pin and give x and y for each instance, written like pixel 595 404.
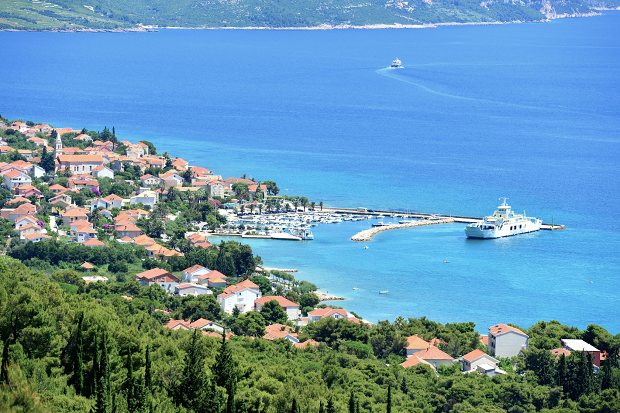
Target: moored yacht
pixel 503 223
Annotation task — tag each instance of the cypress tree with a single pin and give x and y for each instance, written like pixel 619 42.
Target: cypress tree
pixel 78 367
pixel 330 405
pixel 561 374
pixel 352 403
pixel 357 406
pixel 607 379
pixel 388 407
pixel 321 408
pixel 130 387
pixel 294 408
pixel 94 371
pixel 193 378
pixel 224 371
pixel 403 385
pixel 103 383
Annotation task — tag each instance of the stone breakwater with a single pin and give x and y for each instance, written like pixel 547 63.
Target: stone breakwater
pixel 367 234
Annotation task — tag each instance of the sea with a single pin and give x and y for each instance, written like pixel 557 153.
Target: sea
pixel 527 111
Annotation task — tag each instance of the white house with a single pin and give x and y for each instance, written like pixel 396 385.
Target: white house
pixel 15 178
pixel 150 180
pixel 84 233
pixel 192 273
pixel 146 198
pixel 242 296
pixel 478 360
pixel 103 171
pixel 215 189
pixel 160 277
pixel 415 344
pixel 335 313
pixel 506 341
pixel 204 324
pixel 291 308
pixel 433 356
pixel 108 202
pixel 191 289
pixel 79 164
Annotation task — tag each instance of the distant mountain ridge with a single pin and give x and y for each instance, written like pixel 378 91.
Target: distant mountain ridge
pixel 134 14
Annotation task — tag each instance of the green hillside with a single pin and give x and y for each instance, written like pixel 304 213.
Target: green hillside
pixel 124 14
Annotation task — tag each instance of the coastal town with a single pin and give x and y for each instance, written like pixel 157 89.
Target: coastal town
pixel 97 213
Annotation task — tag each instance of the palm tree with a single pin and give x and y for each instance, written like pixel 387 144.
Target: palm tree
pixel 260 209
pixel 296 204
pixel 321 205
pixel 312 205
pixel 304 203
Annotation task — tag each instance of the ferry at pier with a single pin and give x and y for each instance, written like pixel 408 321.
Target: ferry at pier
pixel 503 223
pixel 396 63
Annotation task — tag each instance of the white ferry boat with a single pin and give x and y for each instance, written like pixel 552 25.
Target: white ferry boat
pixel 503 223
pixel 396 63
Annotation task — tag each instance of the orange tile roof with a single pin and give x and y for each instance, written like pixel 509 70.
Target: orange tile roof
pixel 284 302
pixel 200 323
pixel 232 289
pixel 474 355
pixel 557 352
pixel 93 242
pixel 171 324
pixel 416 343
pixel 153 273
pixel 278 331
pixel 414 361
pixel 305 344
pixel 194 268
pixel 499 329
pixel 80 158
pixel 37 235
pixel 433 353
pixel 484 339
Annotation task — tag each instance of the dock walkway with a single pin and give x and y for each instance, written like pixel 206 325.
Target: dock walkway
pixel 367 234
pixel 423 215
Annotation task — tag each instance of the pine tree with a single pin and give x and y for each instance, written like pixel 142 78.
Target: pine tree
pixel 388 407
pixel 147 369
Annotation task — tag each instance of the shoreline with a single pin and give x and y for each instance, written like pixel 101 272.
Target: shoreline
pixel 322 27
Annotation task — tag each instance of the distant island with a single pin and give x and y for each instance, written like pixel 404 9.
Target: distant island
pixel 126 15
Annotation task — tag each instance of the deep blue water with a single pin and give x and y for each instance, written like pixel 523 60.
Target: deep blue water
pixel 528 111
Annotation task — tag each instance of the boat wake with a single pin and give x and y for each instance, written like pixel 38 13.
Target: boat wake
pixel 393 74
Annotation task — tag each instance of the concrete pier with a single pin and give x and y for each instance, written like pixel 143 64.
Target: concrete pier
pixel 422 215
pixel 367 234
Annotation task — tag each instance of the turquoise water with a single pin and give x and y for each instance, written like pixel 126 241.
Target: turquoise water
pixel 527 111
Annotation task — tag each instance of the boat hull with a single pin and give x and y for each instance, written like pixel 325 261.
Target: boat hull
pixel 476 232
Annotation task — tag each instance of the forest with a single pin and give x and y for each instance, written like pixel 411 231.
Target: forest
pixel 102 348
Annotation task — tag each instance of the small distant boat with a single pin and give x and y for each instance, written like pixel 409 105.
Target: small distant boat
pixel 446 261
pixel 285 236
pixel 396 63
pixel 365 247
pixel 380 224
pixel 354 288
pixel 383 292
